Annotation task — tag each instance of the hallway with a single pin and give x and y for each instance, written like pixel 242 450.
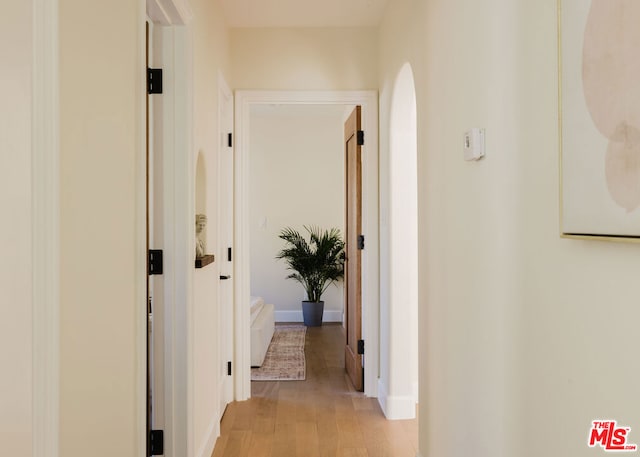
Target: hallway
pixel 320 417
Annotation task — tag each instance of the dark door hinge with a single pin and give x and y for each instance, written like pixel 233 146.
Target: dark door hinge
pixel 230 140
pixel 229 256
pixel 361 347
pixel 360 242
pixel 156 442
pixel 360 137
pixel 154 80
pixel 155 262
pixel 228 368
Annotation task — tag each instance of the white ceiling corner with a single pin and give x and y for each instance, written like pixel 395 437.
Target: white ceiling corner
pixel 303 13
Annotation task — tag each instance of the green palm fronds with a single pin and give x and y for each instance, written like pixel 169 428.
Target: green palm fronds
pixel 315 264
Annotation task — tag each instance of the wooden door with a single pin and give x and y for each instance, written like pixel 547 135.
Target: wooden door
pixel 353 229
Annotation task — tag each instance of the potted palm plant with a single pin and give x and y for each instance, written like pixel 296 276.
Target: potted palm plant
pixel 315 264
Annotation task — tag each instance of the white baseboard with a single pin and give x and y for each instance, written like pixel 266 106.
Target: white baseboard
pixel 209 442
pixel 396 407
pixel 296 316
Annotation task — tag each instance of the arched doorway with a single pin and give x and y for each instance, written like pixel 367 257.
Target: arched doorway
pixel 402 323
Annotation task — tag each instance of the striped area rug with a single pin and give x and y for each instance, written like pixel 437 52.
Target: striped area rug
pixel 285 356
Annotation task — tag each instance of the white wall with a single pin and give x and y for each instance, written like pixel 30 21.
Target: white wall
pixel 299 59
pixel 101 258
pixel 296 179
pixel 512 317
pixel 101 130
pixel 575 294
pixel 16 381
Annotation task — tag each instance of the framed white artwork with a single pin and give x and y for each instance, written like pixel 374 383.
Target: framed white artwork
pixel 599 62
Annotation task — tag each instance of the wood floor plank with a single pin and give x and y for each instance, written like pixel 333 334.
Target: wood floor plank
pixel 306 409
pixel 286 412
pixel 261 444
pixel 322 416
pixel 307 440
pixel 221 444
pixel 353 452
pixel 237 444
pixel 283 444
pixel 363 403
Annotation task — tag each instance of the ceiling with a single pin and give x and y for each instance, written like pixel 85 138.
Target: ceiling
pixel 303 13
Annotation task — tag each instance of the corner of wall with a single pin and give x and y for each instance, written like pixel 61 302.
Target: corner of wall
pixel 206 448
pixel 395 407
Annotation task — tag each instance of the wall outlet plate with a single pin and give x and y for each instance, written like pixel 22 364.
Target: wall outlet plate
pixel 473 144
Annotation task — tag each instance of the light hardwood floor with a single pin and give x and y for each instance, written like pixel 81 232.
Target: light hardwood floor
pixel 319 417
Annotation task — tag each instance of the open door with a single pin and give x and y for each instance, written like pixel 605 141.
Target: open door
pixel 225 253
pixel 354 243
pixel 156 312
pixel 155 284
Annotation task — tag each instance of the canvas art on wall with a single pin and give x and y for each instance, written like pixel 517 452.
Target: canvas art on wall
pixel 600 117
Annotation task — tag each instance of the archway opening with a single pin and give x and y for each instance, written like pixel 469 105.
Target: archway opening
pixel 403 253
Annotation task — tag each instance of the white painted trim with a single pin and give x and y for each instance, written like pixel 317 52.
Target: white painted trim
pixel 141 317
pixel 296 316
pixel 209 443
pixel 185 129
pixel 173 292
pixel 396 407
pixel 45 156
pixel 225 126
pixel 370 257
pixel 242 281
pixel 371 253
pixel 179 210
pixel 382 396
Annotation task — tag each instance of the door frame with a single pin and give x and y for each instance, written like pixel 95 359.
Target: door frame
pixel 178 202
pixel 368 100
pixel 46 219
pixel 225 95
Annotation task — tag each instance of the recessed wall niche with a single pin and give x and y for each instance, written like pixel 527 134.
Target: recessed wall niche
pixel 203 257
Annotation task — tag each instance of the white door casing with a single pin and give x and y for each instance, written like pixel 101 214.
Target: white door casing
pixel 225 241
pixel 370 256
pixel 175 212
pixel 155 344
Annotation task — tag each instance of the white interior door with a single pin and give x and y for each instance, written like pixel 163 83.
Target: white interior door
pixel 225 251
pixel 155 284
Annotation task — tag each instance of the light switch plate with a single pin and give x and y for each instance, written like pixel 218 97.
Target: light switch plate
pixel 473 144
